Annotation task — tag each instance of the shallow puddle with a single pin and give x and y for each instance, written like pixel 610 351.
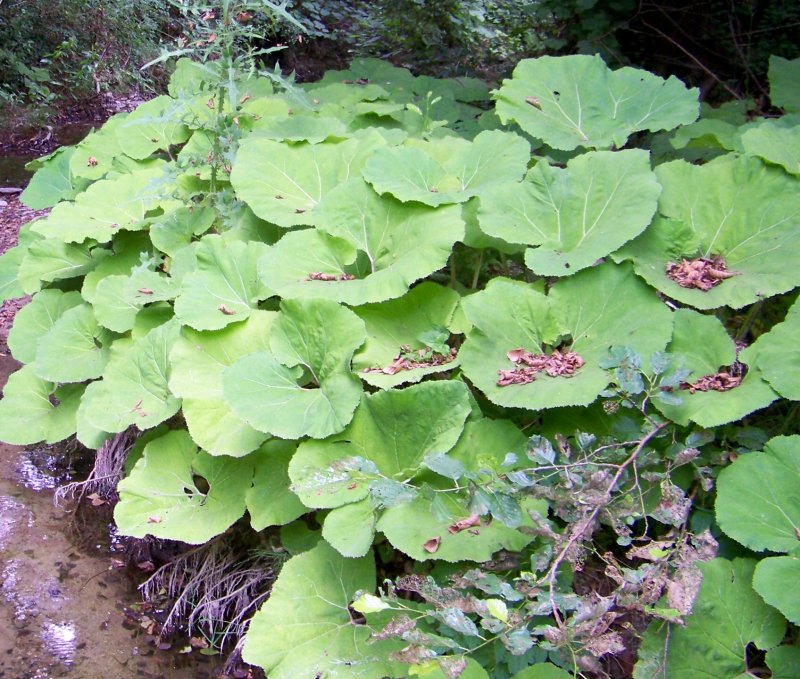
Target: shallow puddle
pixel 62 604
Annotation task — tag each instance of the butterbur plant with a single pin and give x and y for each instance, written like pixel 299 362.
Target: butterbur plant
pixel 482 394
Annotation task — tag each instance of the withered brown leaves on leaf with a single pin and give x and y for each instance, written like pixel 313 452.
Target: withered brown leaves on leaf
pixel 319 276
pixel 529 365
pixel 409 358
pixel 722 381
pixel 700 273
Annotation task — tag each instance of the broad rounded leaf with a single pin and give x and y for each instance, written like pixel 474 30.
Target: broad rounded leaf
pixel 270 501
pixel 598 308
pixel 705 348
pixel 735 208
pixel 52 182
pixel 51 260
pixel 283 183
pixel 76 348
pixel 318 336
pixel 776 141
pixel 377 248
pixel 305 630
pixel 727 616
pixel 578 101
pixel 757 501
pixel 36 319
pixel 574 215
pixel 403 322
pixel 156 124
pixel 776 354
pixel 118 299
pixel 784 662
pixel 391 433
pixel 775 579
pixel 106 207
pixel 33 409
pixel 225 288
pixel 413 173
pixel 197 362
pixel 783 75
pixel 177 229
pixel 178 492
pixel 134 389
pixel 350 529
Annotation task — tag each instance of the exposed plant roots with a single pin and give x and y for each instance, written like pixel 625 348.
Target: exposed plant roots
pixel 109 463
pixel 409 358
pixel 215 588
pixel 700 273
pixel 529 365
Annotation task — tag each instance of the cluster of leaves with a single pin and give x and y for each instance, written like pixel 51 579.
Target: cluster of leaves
pixel 241 270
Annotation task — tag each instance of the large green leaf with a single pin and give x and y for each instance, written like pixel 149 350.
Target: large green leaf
pixel 377 248
pixel 783 75
pixel 577 101
pixel 414 174
pixel 93 158
pixel 305 628
pixel 283 183
pixel 776 141
pixel 404 322
pixel 757 501
pixel 225 288
pixel 392 431
pixel 198 361
pixel 33 409
pixel 598 308
pixel 127 250
pixel 134 389
pixel 119 298
pixel 36 319
pixel 270 501
pixel 178 492
pixel 106 207
pixel 52 181
pixel 156 124
pixel 574 215
pixel 51 260
pixel 776 354
pixel 784 661
pixel 727 616
pixel 705 348
pixel 733 207
pixel 350 529
pixel 313 336
pixel 177 229
pixel 775 581
pixel 75 349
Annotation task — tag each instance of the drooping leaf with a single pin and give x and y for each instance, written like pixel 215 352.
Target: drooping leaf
pixel 413 173
pixel 578 101
pixel 599 308
pixel 134 389
pixel 225 288
pixel 377 248
pixel 36 319
pixel 391 433
pixel 317 336
pixel 106 207
pixel 178 492
pixel 776 354
pixel 757 501
pixel 33 409
pixel 773 580
pixel 305 629
pixel 706 349
pixel 75 349
pixel 270 501
pixel 198 361
pixel 177 229
pixel 403 322
pixel 156 124
pixel 777 141
pixel 783 75
pixel 311 128
pixel 283 183
pixel 727 616
pixel 735 208
pixel 575 215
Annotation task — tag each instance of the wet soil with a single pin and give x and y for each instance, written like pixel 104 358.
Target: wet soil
pixel 65 609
